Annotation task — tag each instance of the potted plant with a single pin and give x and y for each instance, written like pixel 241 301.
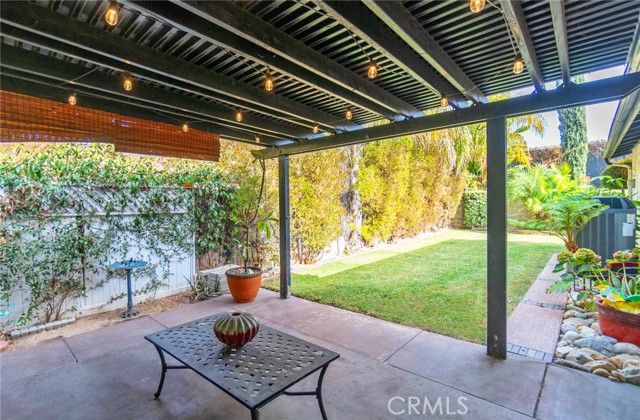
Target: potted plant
pixel 614 289
pixel 619 306
pixel 244 282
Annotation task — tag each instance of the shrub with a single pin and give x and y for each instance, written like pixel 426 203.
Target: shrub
pixel 475 209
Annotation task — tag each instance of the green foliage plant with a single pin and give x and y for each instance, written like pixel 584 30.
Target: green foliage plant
pixel 566 218
pixel 475 209
pixel 573 137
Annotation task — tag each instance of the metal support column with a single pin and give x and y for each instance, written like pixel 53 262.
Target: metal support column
pixel 285 233
pixel 497 237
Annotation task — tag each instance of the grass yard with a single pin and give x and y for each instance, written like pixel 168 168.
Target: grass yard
pixel 437 284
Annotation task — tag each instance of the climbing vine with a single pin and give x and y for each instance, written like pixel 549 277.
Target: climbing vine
pixel 67 211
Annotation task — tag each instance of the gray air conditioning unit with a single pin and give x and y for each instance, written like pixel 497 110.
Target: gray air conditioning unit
pixel 613 230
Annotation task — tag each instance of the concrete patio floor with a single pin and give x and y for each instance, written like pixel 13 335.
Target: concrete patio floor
pixel 384 367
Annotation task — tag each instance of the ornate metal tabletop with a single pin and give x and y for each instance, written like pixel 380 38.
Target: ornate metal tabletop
pixel 254 374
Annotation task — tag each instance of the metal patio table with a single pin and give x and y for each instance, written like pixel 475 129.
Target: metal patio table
pixel 254 374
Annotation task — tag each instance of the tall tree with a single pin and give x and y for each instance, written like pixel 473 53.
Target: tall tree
pixel 573 137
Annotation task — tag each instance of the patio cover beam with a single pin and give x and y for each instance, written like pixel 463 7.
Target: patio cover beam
pixel 518 24
pixel 562 41
pixel 41 27
pixel 285 231
pixel 610 89
pixel 405 25
pixel 233 28
pixel 358 21
pixel 497 237
pixel 37 88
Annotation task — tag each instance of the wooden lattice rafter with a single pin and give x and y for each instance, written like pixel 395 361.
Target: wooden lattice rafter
pixel 30 119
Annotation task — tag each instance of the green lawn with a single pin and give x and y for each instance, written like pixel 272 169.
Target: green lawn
pixel 437 284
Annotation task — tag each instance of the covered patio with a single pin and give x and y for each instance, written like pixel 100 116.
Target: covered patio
pixel 385 370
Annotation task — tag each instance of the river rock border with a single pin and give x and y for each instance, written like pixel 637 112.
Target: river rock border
pixel 582 346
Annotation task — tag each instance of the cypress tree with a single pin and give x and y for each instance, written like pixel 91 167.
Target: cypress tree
pixel 573 137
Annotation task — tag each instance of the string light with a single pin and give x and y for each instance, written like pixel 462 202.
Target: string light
pixel 373 70
pixel 257 139
pixel 72 99
pixel 349 114
pixel 476 6
pixel 268 81
pixel 518 64
pixel 316 128
pixel 444 101
pixel 128 83
pixel 112 14
pixel 239 116
pixel 185 128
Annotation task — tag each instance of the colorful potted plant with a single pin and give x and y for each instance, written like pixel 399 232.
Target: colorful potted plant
pixel 244 282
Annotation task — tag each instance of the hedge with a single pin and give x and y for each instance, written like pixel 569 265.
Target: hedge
pixel 475 208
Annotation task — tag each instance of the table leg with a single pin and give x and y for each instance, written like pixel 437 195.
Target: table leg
pixel 164 371
pixel 319 392
pixel 255 414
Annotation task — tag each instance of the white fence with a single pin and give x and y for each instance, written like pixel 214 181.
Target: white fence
pixel 102 287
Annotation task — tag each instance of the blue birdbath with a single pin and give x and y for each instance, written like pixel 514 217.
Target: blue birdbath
pixel 129 265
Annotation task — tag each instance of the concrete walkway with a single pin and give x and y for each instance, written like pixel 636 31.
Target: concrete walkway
pixel 385 371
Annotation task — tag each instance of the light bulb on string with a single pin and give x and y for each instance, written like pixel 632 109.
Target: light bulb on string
pixel 349 114
pixel 185 128
pixel 257 139
pixel 444 101
pixel 316 128
pixel 127 84
pixel 477 6
pixel 72 99
pixel 239 116
pixel 268 82
pixel 112 14
pixel 518 64
pixel 373 69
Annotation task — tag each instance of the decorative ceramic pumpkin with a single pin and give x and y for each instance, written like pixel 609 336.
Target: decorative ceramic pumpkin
pixel 236 329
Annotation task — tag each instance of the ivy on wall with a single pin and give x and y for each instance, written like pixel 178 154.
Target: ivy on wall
pixel 62 216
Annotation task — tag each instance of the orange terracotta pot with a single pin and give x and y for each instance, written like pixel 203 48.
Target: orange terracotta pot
pixel 243 286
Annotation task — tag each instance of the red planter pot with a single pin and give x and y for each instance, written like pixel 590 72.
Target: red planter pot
pixel 623 326
pixel 236 329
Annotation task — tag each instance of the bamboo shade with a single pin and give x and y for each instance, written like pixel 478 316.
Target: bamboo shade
pixel 30 119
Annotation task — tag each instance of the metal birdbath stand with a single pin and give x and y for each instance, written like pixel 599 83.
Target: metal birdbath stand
pixel 129 265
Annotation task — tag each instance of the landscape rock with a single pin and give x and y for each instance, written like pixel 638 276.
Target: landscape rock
pixel 570 336
pixel 568 327
pixel 615 374
pixel 596 343
pixel 575 308
pixel 620 359
pixel 563 351
pixel 574 314
pixel 596 327
pixel 599 364
pixel 564 344
pixel 586 331
pixel 578 356
pixel 576 321
pixel 631 375
pixel 626 348
pixel 594 354
pixel 573 365
pixel 631 363
pixel 601 372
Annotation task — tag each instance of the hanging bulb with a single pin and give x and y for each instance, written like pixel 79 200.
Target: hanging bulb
pixel 185 128
pixel 239 116
pixel 128 83
pixel 268 82
pixel 349 114
pixel 257 139
pixel 112 14
pixel 476 6
pixel 72 99
pixel 444 101
pixel 316 128
pixel 373 69
pixel 518 64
